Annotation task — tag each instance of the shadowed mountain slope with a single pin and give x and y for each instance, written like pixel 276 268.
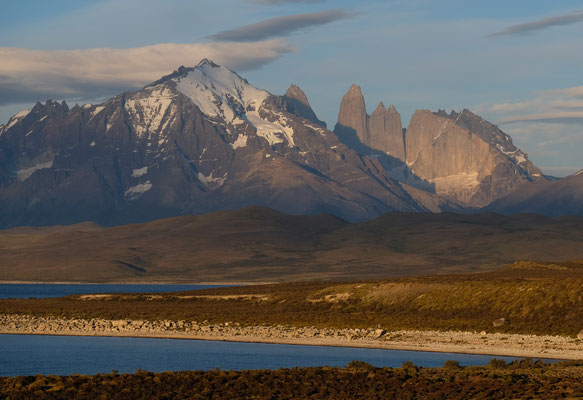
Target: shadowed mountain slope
pixel 260 244
pixel 561 197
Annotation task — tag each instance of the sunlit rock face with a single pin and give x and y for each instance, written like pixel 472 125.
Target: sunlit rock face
pixel 465 157
pixel 460 158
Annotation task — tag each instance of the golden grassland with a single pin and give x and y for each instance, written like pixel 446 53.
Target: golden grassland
pixel 532 297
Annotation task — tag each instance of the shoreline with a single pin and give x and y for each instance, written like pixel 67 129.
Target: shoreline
pixel 494 344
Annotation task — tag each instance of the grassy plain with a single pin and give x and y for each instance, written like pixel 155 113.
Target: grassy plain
pixel 532 297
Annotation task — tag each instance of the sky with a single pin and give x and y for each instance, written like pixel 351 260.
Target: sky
pixel 517 63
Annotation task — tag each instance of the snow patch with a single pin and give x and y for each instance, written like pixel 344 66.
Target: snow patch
pixel 148 112
pixel 17 117
pixel 578 173
pixel 86 106
pixel 136 173
pixel 456 183
pixel 96 111
pixel 240 142
pixel 137 191
pixel 211 180
pixel 222 94
pixel 273 132
pixel 217 91
pixel 518 156
pixel 24 174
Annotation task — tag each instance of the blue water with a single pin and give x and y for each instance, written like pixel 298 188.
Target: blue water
pixel 64 355
pixel 24 291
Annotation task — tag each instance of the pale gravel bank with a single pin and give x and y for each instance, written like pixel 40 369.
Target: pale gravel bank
pixel 557 347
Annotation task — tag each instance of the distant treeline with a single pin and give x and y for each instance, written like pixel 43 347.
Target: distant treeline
pixel 358 380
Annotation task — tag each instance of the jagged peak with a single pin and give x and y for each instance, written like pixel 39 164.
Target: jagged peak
pixel 392 108
pixel 354 90
pixel 208 69
pixel 207 62
pixel 294 92
pixel 380 107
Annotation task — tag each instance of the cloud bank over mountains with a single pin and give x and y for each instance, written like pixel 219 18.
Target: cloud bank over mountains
pixel 552 106
pixel 31 75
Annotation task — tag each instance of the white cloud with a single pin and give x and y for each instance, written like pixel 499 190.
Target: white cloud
pixel 553 116
pixel 552 106
pixel 576 91
pixel 29 75
pixel 549 126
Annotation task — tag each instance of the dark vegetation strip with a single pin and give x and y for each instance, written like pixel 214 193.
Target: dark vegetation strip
pixel 358 380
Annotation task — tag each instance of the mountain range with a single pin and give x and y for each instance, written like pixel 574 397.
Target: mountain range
pixel 204 139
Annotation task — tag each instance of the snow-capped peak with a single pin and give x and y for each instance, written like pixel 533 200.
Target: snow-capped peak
pixel 218 91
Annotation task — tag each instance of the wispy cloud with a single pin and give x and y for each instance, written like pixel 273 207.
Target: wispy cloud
pixel 575 117
pixel 551 106
pixel 576 91
pixel 547 125
pixel 280 26
pixel 31 75
pixel 544 23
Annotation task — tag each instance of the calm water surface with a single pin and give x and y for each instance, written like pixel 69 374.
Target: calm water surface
pixel 64 355
pixel 24 291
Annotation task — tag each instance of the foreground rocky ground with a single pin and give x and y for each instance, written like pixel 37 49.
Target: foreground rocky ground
pixel 559 347
pixel 522 379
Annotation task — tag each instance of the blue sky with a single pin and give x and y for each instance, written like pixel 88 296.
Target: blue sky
pixel 517 63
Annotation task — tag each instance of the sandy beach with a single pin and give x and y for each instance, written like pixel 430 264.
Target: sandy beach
pixel 554 347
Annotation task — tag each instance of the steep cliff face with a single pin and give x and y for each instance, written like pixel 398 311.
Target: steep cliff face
pixel 466 158
pixel 381 131
pixel 352 124
pixel 296 102
pixel 460 157
pixel 386 131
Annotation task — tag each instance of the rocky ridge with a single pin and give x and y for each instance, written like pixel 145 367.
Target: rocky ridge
pixel 197 140
pixel 553 198
pixel 458 157
pixel 203 139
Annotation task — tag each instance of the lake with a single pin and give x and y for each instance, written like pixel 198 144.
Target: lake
pixel 25 290
pixel 65 355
